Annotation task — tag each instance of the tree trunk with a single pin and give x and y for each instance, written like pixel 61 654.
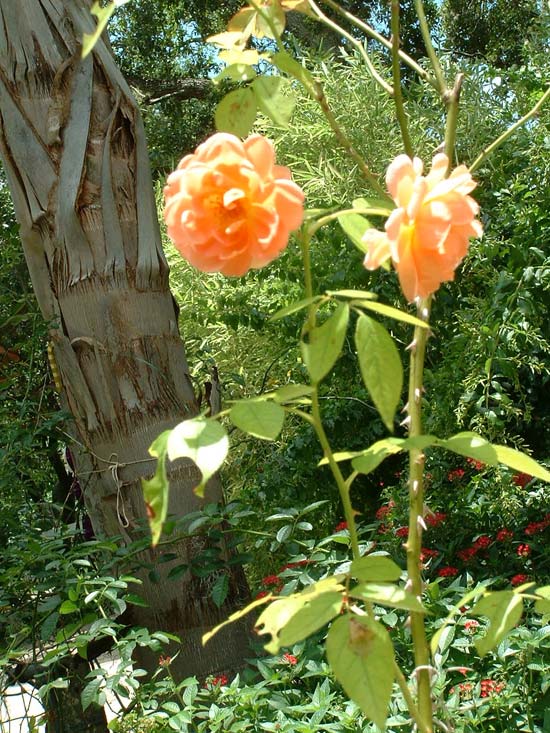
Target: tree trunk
pixel 73 146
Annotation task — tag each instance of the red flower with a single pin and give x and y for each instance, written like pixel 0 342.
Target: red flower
pixel 402 532
pixel 290 658
pixel 384 510
pixel 447 572
pixel 536 527
pixel 482 542
pixel 523 550
pixel 478 465
pixel 471 624
pixel 262 594
pixel 490 687
pixel 165 661
pixel 219 680
pixel 426 554
pixel 503 535
pixel 340 527
pixel 297 564
pixel 521 479
pixel 519 579
pixel 435 518
pixel 455 474
pixel 271 580
pixel 467 554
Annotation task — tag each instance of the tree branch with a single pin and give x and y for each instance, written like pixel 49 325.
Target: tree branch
pixel 152 91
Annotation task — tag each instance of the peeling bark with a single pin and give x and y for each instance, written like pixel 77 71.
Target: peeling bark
pixel 73 146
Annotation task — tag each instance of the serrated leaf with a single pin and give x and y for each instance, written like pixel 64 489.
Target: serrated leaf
pixel 275 98
pixel 236 112
pixel 503 609
pixel 325 343
pixel 220 589
pixel 543 604
pixel 475 446
pixel 249 22
pixel 258 418
pixel 291 392
pixel 156 490
pixel 395 313
pixel 380 366
pixel 235 617
pixel 311 617
pixel 375 567
pixel 278 614
pixel 360 652
pixel 294 307
pixel 355 226
pixel 204 441
pixel 288 65
pixel 387 594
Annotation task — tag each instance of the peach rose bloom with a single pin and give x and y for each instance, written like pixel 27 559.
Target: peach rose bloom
pixel 229 208
pixel 427 235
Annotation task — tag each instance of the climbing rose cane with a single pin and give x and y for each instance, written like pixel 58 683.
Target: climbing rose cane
pixel 427 234
pixel 229 208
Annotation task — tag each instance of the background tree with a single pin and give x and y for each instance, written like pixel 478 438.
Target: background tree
pixel 74 151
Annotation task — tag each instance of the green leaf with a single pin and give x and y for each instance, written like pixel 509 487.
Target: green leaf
pixel 387 594
pixel 355 226
pixel 288 65
pixel 90 694
pixel 311 617
pixel 475 446
pixel 294 307
pixel 89 40
pixel 156 490
pixel 258 418
pixel 353 294
pixel 440 633
pixel 395 313
pixel 360 652
pixel 381 367
pixel 277 616
pixel 220 589
pixel 67 607
pixel 543 604
pixel 236 72
pixel 375 567
pixel 325 343
pixel 371 458
pixel 204 441
pixel 386 204
pixel 248 21
pixel 503 609
pixel 275 98
pixel 235 617
pixel 236 112
pixel 291 392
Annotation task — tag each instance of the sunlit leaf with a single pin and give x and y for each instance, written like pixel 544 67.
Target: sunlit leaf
pixel 294 307
pixel 275 98
pixel 103 15
pixel 204 441
pixel 288 65
pixel 503 609
pixel 375 567
pixel 156 490
pixel 292 392
pixel 360 652
pixel 387 594
pixel 236 112
pixel 235 617
pixel 355 226
pixel 395 313
pixel 258 418
pixel 324 343
pixel 381 367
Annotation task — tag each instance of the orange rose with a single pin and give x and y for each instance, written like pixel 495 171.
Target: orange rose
pixel 229 208
pixel 427 235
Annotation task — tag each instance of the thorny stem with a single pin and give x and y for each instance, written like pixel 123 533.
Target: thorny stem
pixel 369 30
pixel 358 45
pixel 506 134
pixel 426 36
pixel 397 93
pixel 452 99
pixel 416 512
pixel 403 686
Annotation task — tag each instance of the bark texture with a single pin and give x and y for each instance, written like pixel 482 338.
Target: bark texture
pixel 73 147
